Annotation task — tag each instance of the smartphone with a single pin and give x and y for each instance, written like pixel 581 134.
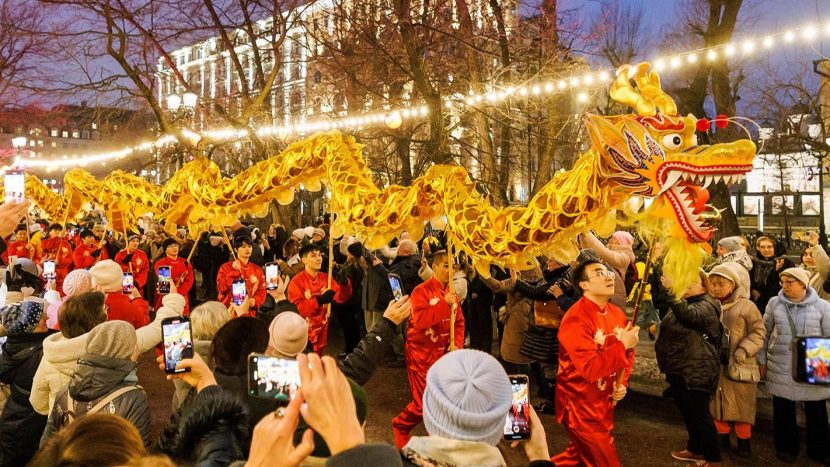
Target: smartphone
pixel 164 279
pixel 395 283
pixel 177 342
pixel 240 293
pixel 812 359
pixel 517 423
pixel 273 378
pixel 49 270
pixel 127 283
pixel 15 186
pixel 272 274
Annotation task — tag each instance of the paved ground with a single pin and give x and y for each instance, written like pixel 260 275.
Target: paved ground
pixel 648 427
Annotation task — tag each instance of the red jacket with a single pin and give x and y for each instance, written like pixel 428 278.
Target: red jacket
pixel 227 274
pixel 428 333
pixel 59 251
pixel 139 266
pixel 303 291
pixel 135 312
pixel 82 257
pixel 19 249
pixel 590 356
pixel 181 273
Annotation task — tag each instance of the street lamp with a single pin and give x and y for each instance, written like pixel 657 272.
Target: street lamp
pixel 181 108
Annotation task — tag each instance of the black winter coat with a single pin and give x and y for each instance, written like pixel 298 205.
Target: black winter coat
pixel 765 280
pixel 689 340
pixel 210 428
pixel 20 426
pixel 539 290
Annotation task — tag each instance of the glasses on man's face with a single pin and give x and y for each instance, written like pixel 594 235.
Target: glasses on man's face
pixel 603 273
pixel 784 283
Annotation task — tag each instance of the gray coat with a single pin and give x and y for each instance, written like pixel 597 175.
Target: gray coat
pixel 811 317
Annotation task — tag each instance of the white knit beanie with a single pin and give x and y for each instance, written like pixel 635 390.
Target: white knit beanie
pixel 799 274
pixel 108 275
pixel 467 397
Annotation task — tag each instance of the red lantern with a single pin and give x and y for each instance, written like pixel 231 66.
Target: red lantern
pixel 703 124
pixel 721 121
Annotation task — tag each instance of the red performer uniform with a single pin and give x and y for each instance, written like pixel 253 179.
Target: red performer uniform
pixel 82 257
pixel 138 265
pixel 590 356
pixel 227 274
pixel 181 273
pixel 303 291
pixel 18 248
pixel 427 340
pixel 135 312
pixel 59 251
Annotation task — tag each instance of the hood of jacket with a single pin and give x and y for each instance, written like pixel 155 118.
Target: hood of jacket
pixel 808 300
pixel 438 451
pixel 64 353
pixel 17 349
pixel 97 376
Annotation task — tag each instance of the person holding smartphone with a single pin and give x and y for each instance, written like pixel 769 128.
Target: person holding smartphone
pixel 135 262
pixel 57 249
pixel 309 291
pixel 89 251
pixel 242 268
pixel 20 247
pixel 181 272
pixel 107 277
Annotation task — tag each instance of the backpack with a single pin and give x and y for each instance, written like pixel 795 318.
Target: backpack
pixel 68 416
pixel 632 277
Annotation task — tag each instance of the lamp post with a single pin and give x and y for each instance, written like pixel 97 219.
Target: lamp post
pixel 181 109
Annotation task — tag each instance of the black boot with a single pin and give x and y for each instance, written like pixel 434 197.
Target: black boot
pixel 742 449
pixel 725 444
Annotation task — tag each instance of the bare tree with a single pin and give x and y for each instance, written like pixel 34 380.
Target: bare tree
pixel 21 44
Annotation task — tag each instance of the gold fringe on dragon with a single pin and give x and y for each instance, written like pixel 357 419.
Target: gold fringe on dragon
pixel 652 154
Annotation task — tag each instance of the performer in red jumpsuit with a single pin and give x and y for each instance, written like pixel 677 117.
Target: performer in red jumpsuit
pixel 595 344
pixel 89 251
pixel 181 273
pixel 134 261
pixel 243 268
pixel 427 340
pixel 57 249
pixel 20 247
pixel 309 292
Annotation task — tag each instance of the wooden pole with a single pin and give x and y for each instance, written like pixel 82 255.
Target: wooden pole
pixel 451 288
pixel 196 245
pixel 228 241
pixel 641 292
pixel 331 251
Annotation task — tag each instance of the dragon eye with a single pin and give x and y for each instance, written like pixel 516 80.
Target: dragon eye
pixel 672 141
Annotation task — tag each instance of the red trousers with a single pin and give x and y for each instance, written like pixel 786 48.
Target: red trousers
pixel 587 448
pixel 412 414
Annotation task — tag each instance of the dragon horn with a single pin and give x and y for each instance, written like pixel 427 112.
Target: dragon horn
pixel 648 82
pixel 624 93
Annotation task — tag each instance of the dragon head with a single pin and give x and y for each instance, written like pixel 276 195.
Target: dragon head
pixel 654 154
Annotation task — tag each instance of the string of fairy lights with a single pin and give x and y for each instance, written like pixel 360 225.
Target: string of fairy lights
pixel 580 85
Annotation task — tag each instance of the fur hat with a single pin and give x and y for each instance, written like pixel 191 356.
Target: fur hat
pixel 466 397
pixel 799 274
pixel 107 274
pixel 356 249
pixel 114 339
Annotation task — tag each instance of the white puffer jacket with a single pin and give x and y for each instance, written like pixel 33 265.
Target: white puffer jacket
pixel 61 354
pixel 811 317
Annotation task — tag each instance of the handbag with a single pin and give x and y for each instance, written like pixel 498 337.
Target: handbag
pixel 743 372
pixel 547 314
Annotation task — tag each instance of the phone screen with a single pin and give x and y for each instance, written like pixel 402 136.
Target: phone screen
pixel 15 186
pixel 177 342
pixel 273 378
pixel 272 272
pixel 813 360
pixel 517 422
pixel 49 270
pixel 239 292
pixel 127 283
pixel 395 283
pixel 164 279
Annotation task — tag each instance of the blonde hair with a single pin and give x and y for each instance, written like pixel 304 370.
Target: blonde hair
pixel 207 318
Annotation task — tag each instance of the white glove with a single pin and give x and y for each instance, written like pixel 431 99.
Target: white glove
pixel 619 392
